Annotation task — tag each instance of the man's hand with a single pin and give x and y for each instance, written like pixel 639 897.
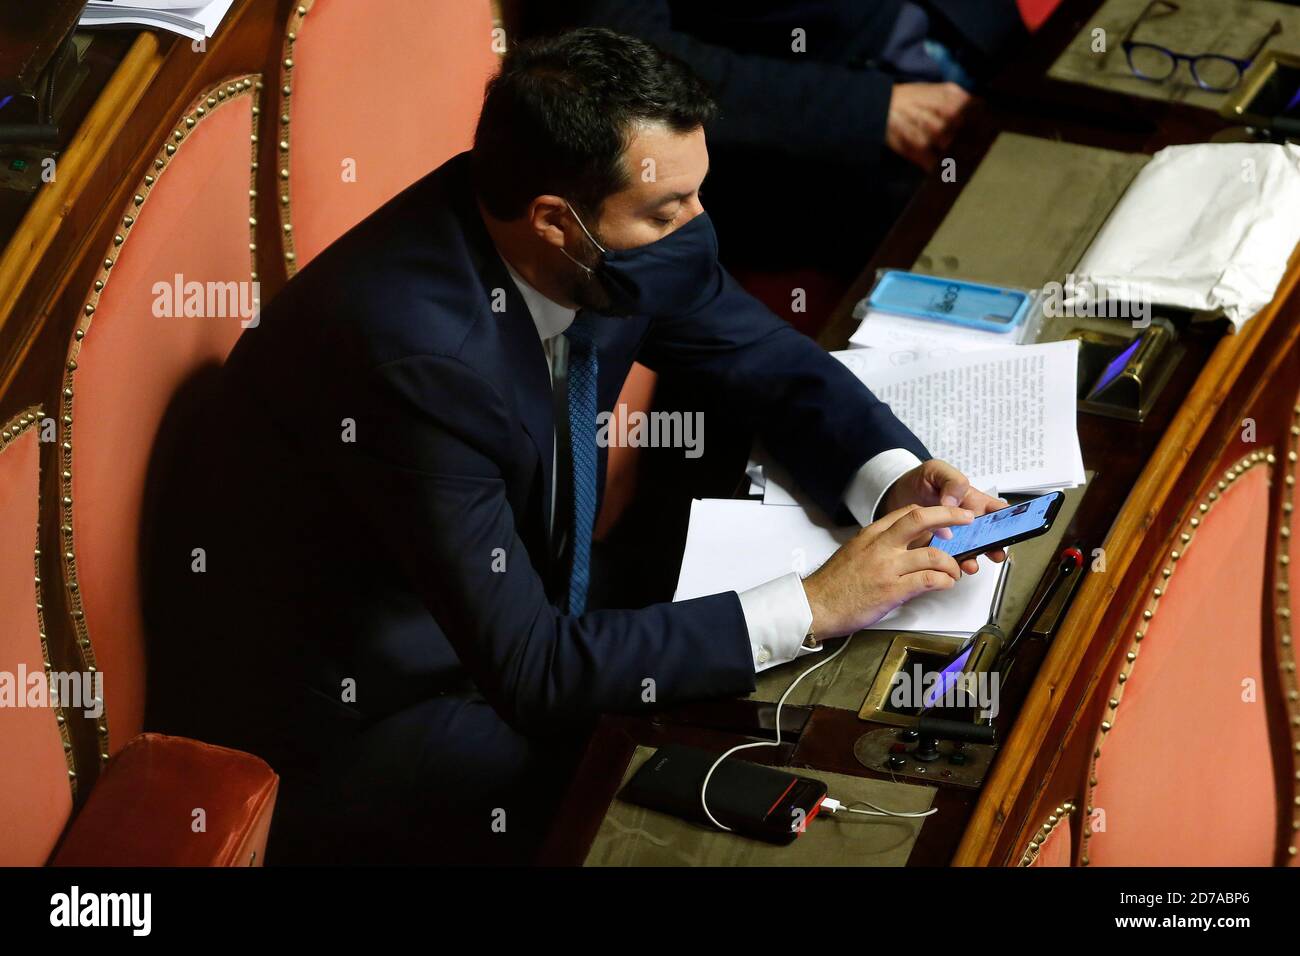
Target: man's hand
pixel 923 118
pixel 939 483
pixel 886 564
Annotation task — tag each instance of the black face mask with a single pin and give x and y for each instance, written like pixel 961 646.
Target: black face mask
pixel 667 277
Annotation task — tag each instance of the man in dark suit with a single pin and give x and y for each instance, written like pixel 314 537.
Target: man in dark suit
pixel 846 98
pixel 395 485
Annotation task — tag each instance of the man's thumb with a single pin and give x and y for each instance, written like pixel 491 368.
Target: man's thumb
pixel 954 490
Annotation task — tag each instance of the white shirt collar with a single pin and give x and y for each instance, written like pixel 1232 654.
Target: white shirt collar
pixel 551 318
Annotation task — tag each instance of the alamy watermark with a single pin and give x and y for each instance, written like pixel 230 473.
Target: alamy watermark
pixel 1082 299
pixel 208 300
pixel 76 690
pixel 919 689
pixel 658 429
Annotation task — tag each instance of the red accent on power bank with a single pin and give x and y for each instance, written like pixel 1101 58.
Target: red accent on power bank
pixel 784 793
pixel 812 813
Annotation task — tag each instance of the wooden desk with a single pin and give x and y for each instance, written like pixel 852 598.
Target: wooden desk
pixel 1143 474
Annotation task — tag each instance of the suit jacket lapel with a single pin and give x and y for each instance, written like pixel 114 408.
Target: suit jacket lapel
pixel 532 383
pixel 525 358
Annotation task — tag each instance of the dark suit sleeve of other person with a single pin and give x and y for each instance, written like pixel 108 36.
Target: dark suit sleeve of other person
pixel 813 414
pixel 424 469
pixel 823 110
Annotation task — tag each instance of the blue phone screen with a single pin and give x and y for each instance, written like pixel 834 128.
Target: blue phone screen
pixel 989 529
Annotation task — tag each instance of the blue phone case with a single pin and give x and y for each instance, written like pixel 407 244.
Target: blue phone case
pixel 970 304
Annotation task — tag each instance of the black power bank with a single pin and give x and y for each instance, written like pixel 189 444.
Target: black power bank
pixel 762 802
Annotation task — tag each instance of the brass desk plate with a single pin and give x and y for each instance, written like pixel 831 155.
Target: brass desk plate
pixel 1265 92
pixel 905 651
pixel 1130 392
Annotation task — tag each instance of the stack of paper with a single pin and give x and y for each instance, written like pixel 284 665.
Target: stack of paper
pixel 734 545
pixel 1005 417
pixel 195 19
pixel 905 340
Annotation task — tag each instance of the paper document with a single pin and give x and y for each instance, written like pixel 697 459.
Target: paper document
pixel 734 545
pixel 904 340
pixel 1005 417
pixel 196 19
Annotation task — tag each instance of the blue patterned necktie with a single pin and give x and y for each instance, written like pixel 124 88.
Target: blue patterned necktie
pixel 582 447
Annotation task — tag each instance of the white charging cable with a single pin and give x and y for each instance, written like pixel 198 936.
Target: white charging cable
pixel 832 805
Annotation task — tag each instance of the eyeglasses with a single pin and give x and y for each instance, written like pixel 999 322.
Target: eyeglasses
pixel 1213 72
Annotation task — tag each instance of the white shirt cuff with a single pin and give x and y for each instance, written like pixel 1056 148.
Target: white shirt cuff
pixel 778 618
pixel 875 478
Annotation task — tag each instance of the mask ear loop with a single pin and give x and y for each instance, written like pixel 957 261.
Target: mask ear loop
pixel 590 238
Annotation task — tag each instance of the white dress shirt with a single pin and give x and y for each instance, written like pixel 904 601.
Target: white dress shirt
pixel 777 614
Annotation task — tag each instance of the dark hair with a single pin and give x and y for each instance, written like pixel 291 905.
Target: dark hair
pixel 559 115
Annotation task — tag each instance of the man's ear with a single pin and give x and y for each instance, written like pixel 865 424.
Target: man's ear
pixel 548 216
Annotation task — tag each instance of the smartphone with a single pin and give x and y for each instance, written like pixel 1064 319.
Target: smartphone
pixel 999 529
pixel 971 304
pixel 761 802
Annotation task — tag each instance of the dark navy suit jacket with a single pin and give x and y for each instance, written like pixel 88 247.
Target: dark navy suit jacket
pixel 828 101
pixel 414 557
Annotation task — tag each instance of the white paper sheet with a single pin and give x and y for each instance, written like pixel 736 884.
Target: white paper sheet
pixel 906 340
pixel 1209 226
pixel 196 20
pixel 1005 417
pixel 734 545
